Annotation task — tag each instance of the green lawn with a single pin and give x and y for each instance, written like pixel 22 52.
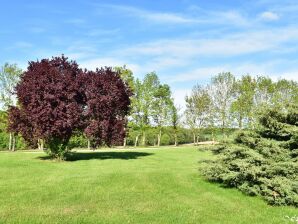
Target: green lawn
pixel 123 186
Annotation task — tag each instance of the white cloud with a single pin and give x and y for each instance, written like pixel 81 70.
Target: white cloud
pixel 269 16
pixel 167 18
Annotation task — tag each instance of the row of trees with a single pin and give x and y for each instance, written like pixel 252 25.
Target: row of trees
pixel 151 106
pixel 225 103
pixel 228 102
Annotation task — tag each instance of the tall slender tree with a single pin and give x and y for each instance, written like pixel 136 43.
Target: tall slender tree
pixel 221 91
pixel 175 121
pixel 9 77
pixel 242 106
pixel 161 108
pixel 127 76
pixel 198 106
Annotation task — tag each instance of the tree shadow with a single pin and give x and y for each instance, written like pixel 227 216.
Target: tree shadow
pixel 76 156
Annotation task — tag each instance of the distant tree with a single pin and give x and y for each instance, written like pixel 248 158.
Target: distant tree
pixel 9 77
pixel 285 93
pixel 175 121
pixel 243 104
pixel 142 105
pixel 198 106
pixel 221 92
pixel 161 108
pixel 150 85
pixel 107 104
pixel 265 89
pixel 127 76
pixel 137 123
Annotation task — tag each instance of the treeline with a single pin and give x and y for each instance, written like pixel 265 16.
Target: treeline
pixel 212 111
pixel 230 102
pixel 225 104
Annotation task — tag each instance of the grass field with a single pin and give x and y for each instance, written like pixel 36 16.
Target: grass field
pixel 123 186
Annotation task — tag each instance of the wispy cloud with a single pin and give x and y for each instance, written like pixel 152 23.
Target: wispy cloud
pixel 227 45
pixel 230 17
pixel 269 16
pixel 157 17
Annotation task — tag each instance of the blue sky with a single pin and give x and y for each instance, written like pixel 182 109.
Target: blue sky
pixel 185 42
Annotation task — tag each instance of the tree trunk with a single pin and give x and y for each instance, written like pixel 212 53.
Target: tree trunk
pixel 88 144
pixel 144 139
pixel 41 144
pixel 125 132
pixel 194 138
pixel 175 139
pixel 13 143
pixel 223 128
pixel 240 122
pixel 136 141
pixel 158 138
pixel 124 142
pixel 10 141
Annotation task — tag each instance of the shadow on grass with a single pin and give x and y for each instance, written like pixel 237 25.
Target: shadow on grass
pixel 76 156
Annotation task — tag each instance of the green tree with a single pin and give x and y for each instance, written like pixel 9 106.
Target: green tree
pixel 175 120
pixel 161 108
pixel 150 85
pixel 140 110
pixel 9 77
pixel 221 92
pixel 285 93
pixel 198 109
pixel 127 76
pixel 242 106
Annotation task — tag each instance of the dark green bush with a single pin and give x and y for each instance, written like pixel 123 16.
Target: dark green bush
pixel 78 141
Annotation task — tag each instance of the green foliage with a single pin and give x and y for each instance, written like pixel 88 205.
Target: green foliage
pixel 9 77
pixel 78 141
pixel 263 162
pixel 165 140
pixel 57 148
pixel 4 136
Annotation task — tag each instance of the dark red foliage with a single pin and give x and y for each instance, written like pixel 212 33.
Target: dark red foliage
pixel 56 98
pixel 51 98
pixel 19 124
pixel 107 101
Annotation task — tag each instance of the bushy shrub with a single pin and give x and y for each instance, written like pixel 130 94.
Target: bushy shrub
pixel 261 162
pixel 165 139
pixel 78 141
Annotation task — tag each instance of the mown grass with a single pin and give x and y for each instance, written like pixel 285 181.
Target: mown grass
pixel 123 186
